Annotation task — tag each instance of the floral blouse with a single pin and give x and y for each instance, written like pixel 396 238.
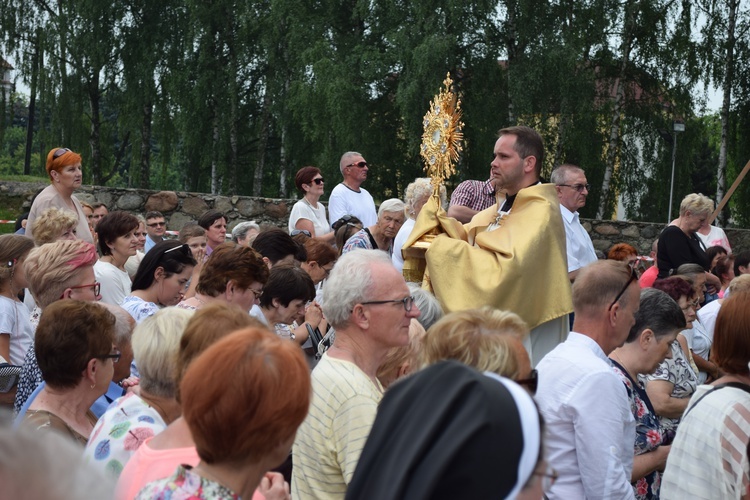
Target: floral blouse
pixel 648 432
pixel 185 484
pixel 678 371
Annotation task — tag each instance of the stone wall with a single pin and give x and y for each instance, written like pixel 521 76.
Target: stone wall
pixel 181 207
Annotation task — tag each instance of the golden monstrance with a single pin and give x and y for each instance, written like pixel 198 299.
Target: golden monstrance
pixel 441 145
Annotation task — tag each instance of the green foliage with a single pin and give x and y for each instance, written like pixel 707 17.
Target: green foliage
pixel 202 96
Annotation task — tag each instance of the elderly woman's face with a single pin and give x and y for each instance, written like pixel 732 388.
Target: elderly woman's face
pixel 688 309
pixel 68 177
pixel 390 222
pixel 694 221
pixel 419 203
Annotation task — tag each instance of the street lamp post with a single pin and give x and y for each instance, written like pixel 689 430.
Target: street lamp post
pixel 676 127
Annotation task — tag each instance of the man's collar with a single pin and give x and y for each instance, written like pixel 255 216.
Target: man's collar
pixel 488 187
pixel 567 214
pixel 508 204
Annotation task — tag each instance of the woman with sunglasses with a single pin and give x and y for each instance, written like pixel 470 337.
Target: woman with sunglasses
pixel 75 349
pixel 56 271
pixel 674 381
pixel 162 279
pixel 64 170
pixel 657 323
pixel 308 214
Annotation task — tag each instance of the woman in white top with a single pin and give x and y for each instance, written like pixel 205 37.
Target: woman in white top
pixel 308 214
pixel 64 170
pixel 117 243
pixel 16 332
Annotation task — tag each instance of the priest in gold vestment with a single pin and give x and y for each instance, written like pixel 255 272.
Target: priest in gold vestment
pixel 511 256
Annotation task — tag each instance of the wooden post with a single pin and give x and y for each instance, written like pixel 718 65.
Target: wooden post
pixel 729 193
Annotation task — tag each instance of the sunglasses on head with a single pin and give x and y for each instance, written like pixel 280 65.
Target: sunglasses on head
pixel 532 382
pixel 60 151
pixel 343 220
pixel 633 277
pixel 295 232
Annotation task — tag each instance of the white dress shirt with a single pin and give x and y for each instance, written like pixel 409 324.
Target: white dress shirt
pixel 590 428
pixel 577 241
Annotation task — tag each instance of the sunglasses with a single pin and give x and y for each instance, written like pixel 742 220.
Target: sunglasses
pixel 157 224
pixel 360 164
pixel 532 382
pixel 295 232
pixel 346 219
pixel 318 181
pixel 96 287
pixel 60 151
pixel 578 187
pixel 633 277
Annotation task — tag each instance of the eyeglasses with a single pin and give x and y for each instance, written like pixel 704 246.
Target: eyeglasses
pixel 532 382
pixel 257 293
pixel 60 151
pixel 157 224
pixel 578 187
pixel 295 232
pixel 633 277
pixel 116 356
pixel 318 181
pixel 549 476
pixel 691 305
pixel 96 286
pixel 360 164
pixel 408 302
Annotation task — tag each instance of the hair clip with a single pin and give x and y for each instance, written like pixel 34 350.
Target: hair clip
pixel 11 262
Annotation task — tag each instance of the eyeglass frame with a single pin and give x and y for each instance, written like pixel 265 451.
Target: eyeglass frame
pixel 116 357
pixel 577 187
pixel 96 285
pixel 295 232
pixel 407 302
pixel 532 382
pixel 359 164
pixel 318 181
pixel 256 293
pixel 633 277
pixel 157 224
pixel 59 152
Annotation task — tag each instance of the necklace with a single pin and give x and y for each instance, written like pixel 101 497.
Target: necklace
pixel 314 207
pixel 199 299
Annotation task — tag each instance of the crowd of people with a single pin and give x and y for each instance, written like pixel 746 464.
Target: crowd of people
pixel 261 362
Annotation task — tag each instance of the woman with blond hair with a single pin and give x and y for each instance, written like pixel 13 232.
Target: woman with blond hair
pixel 487 339
pixel 133 418
pixel 55 224
pixel 678 242
pixel 64 170
pixel 61 270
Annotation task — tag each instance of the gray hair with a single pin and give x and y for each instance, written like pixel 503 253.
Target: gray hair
pixel 391 205
pixel 421 187
pixel 696 204
pixel 739 284
pixel 690 270
pixel 659 313
pixel 156 341
pixel 345 158
pixel 351 282
pixel 560 174
pixel 124 324
pixel 239 232
pixel 430 308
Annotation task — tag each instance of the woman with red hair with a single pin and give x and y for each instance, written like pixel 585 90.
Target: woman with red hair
pixel 64 170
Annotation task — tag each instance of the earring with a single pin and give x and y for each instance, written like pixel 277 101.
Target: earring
pixel 93 385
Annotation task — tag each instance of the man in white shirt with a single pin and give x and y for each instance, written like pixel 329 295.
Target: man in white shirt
pixel 590 426
pixel 572 190
pixel 349 197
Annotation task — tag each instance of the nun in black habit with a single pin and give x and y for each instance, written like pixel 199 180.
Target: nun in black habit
pixel 451 432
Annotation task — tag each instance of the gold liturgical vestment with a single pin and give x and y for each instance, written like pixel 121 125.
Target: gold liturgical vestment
pixel 520 266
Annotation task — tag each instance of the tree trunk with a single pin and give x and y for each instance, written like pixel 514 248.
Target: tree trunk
pixel 721 171
pixel 615 124
pixel 511 47
pixel 282 166
pixel 148 113
pixel 215 152
pixel 265 126
pixel 95 134
pixel 233 120
pixel 35 68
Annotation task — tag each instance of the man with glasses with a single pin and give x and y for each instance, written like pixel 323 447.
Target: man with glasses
pixel 591 429
pixel 349 197
pixel 572 190
pixel 155 229
pixel 368 303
